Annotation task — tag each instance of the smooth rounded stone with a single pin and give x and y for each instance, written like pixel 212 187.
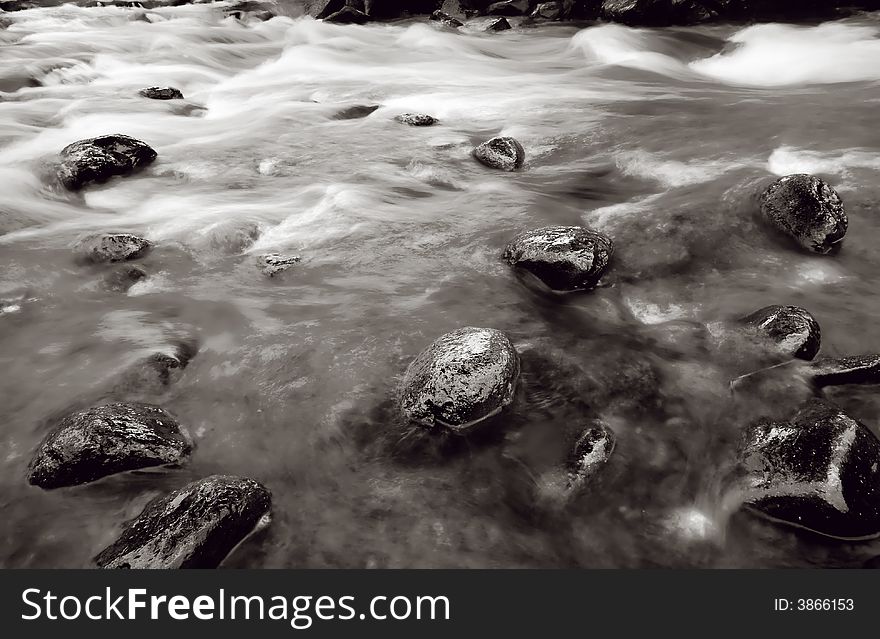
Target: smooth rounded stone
pixel 501 24
pixel 98 159
pixel 104 440
pixel 461 379
pixel 590 452
pixel 124 277
pixel 348 15
pixel 161 93
pixel 855 369
pixel 503 153
pixel 416 119
pixel 196 526
pixel 446 19
pixel 509 8
pixel 111 247
pixel 355 112
pixel 547 11
pixel 792 330
pixel 820 470
pixel 274 263
pixel 807 209
pixel 565 258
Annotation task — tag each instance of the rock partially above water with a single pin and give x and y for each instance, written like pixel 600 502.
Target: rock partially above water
pixel 446 19
pixel 819 471
pixel 416 119
pixel 856 369
pixel 565 258
pixel 194 527
pixel 274 263
pixel 807 209
pixel 161 93
pixel 501 24
pixel 108 439
pixel 547 11
pixel 658 12
pixel 348 15
pixel 99 159
pixel 792 330
pixel 590 452
pixel 501 153
pixel 156 371
pixel 509 8
pixel 123 278
pixel 461 379
pixel 111 247
pixel 355 112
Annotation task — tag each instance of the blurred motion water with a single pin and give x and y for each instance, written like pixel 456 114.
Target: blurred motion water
pixel 660 138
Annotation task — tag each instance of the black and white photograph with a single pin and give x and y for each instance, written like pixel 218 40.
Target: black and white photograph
pixel 440 284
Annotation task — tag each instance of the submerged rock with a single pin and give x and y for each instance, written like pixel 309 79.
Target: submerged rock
pixel 501 24
pixel 590 452
pixel 104 440
pixel 123 278
pixel 355 112
pixel 416 119
pixel 194 527
pixel 857 369
pixel 461 379
pixel 161 93
pixel 274 263
pixel 154 372
pixel 99 159
pixel 565 258
pixel 501 153
pixel 792 330
pixel 446 19
pixel 348 15
pixel 807 209
pixel 111 247
pixel 819 471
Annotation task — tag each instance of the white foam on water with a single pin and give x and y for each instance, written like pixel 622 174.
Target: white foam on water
pixel 786 160
pixel 669 172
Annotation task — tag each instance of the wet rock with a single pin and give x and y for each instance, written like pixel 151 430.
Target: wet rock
pixel 820 471
pixel 547 11
pixel 99 159
pixel 104 440
pixel 446 19
pixel 501 153
pixel 857 369
pixel 791 330
pixel 348 15
pixel 123 278
pixel 461 379
pixel 565 258
pixel 416 119
pixel 589 453
pixel 153 373
pixel 501 24
pixel 161 93
pixel 355 112
pixel 194 527
pixel 274 263
pixel 111 247
pixel 807 209
pixel 509 8
pixel 658 12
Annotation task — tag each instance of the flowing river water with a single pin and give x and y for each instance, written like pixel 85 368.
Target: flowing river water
pixel 659 138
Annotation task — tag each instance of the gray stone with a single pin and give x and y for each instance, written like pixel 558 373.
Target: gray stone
pixel 161 93
pixel 501 24
pixel 274 263
pixel 807 209
pixel 501 153
pixel 348 15
pixel 111 247
pixel 547 11
pixel 194 527
pixel 820 470
pixel 791 330
pixel 446 19
pixel 509 8
pixel 124 277
pixel 461 379
pixel 590 452
pixel 416 119
pixel 99 159
pixel 104 440
pixel 565 258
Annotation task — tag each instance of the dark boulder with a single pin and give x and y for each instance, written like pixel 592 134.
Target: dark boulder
pixel 503 153
pixel 274 263
pixel 104 440
pixel 790 330
pixel 348 15
pixel 658 12
pixel 416 119
pixel 161 93
pixel 509 8
pixel 196 526
pixel 461 379
pixel 565 258
pixel 124 277
pixel 391 9
pixel 111 247
pixel 355 112
pixel 547 11
pixel 501 24
pixel 857 369
pixel 807 209
pixel 446 19
pixel 820 470
pixel 99 159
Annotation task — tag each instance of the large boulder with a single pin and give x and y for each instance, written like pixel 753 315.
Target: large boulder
pixel 194 527
pixel 503 153
pixel 807 209
pixel 461 379
pixel 103 440
pixel 99 159
pixel 111 247
pixel 161 93
pixel 565 258
pixel 658 12
pixel 820 470
pixel 791 331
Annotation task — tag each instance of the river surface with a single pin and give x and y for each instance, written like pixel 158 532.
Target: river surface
pixel 660 138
